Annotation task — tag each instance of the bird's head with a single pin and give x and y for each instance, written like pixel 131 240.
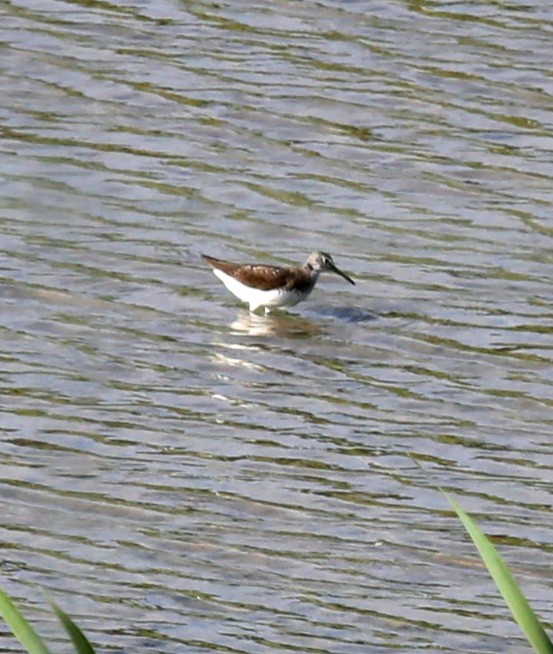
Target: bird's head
pixel 323 262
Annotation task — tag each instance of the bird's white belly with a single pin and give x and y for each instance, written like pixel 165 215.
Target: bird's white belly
pixel 257 298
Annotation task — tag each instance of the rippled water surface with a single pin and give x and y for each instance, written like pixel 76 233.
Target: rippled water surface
pixel 185 477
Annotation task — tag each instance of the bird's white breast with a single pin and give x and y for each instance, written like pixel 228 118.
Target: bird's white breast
pixel 257 298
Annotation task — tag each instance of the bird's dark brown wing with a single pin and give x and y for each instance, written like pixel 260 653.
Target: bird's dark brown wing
pixel 226 266
pixel 264 278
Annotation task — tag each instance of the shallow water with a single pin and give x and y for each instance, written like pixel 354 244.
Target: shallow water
pixel 184 476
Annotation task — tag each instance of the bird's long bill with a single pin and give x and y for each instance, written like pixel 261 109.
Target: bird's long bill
pixel 342 274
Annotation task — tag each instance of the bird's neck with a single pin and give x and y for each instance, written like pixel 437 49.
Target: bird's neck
pixel 313 274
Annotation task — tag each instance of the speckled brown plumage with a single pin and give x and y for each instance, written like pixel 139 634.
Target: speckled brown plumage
pixel 264 277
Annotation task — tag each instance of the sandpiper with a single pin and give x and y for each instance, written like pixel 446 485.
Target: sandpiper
pixel 273 286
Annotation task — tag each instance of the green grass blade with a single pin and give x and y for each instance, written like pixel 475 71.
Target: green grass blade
pixel 80 641
pixel 506 584
pixel 19 627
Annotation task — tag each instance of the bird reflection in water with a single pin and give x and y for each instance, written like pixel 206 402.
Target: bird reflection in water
pixel 275 324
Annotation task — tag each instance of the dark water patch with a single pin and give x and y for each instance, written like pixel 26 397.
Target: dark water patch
pixel 344 313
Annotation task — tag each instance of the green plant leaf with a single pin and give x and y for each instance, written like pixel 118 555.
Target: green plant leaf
pixel 506 583
pixel 20 628
pixel 80 641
